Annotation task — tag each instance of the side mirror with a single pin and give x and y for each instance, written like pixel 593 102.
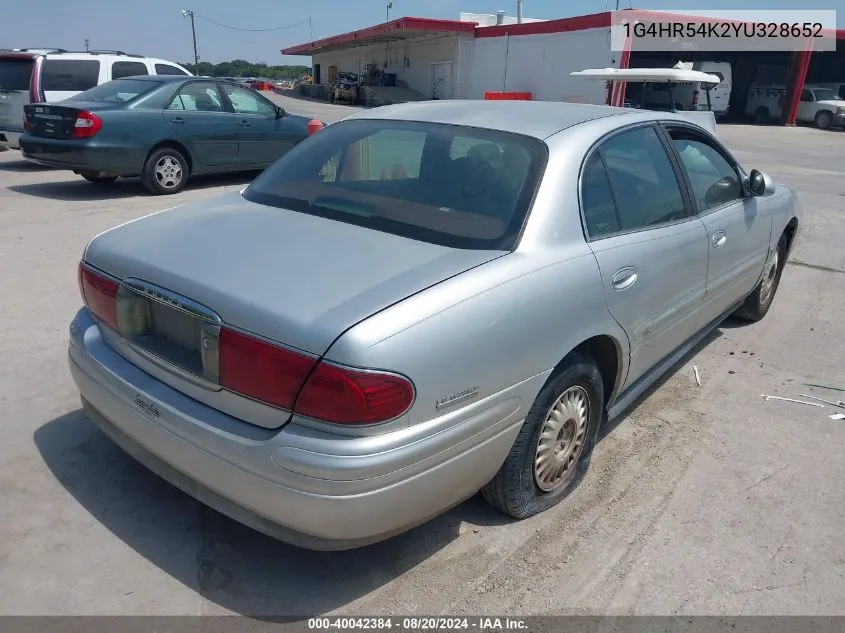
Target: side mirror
pixel 280 112
pixel 760 184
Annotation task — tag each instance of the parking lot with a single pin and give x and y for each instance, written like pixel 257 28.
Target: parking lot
pixel 701 500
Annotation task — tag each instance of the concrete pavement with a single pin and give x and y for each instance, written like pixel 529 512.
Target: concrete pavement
pixel 702 500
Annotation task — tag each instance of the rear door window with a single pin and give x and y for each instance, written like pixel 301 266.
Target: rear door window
pixel 198 97
pixel 128 69
pixel 167 69
pixel 597 201
pixel 644 183
pixel 15 73
pixel 69 75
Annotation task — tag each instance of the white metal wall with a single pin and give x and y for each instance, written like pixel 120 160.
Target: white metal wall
pixel 489 19
pixel 421 53
pixel 540 64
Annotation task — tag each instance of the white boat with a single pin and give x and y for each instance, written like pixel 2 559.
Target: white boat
pixel 681 74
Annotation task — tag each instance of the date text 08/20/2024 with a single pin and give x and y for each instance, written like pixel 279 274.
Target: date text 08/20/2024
pixel 488 624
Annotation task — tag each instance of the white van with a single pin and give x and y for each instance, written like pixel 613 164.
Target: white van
pixel 48 75
pixel 720 96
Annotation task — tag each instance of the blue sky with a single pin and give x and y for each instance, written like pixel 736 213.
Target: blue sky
pixel 157 28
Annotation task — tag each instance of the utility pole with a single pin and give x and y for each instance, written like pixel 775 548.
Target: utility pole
pixel 86 44
pixel 188 13
pixel 389 7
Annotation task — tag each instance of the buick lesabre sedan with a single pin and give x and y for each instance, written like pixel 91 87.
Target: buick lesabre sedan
pixel 417 303
pixel 163 128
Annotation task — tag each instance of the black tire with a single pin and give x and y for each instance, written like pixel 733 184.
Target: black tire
pixel 97 179
pixel 165 171
pixel 515 489
pixel 823 119
pixel 757 304
pixel 761 115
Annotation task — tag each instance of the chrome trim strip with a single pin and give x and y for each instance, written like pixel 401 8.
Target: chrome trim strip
pixel 172 299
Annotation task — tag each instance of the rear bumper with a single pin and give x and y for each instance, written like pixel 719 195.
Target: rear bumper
pixel 10 139
pixel 84 155
pixel 309 488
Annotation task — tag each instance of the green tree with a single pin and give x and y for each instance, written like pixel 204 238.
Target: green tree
pixel 244 68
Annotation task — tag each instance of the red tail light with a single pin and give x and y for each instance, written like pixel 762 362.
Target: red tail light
pixel 347 396
pixel 260 370
pixel 695 98
pixel 99 294
pixel 87 125
pixel 25 123
pixel 331 393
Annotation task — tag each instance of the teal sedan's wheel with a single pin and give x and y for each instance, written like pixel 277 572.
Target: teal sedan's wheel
pixel 97 179
pixel 165 172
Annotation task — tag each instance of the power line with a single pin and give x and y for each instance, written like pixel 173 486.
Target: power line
pixel 237 28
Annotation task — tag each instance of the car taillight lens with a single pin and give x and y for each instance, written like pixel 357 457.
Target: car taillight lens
pixel 87 125
pixel 349 396
pixel 331 393
pixel 99 294
pixel 260 370
pixel 695 98
pixel 25 123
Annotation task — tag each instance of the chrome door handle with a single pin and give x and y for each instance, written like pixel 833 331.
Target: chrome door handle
pixel 243 123
pixel 178 120
pixel 624 278
pixel 719 239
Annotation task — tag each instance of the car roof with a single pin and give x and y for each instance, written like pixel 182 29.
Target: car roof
pixel 540 119
pixel 161 78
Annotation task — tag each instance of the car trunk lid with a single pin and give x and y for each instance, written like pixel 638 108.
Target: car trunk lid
pixel 58 121
pixel 293 278
pixel 51 121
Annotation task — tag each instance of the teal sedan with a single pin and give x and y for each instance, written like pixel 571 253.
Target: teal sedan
pixel 161 128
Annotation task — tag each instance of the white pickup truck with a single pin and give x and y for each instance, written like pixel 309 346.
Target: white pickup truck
pixel 819 105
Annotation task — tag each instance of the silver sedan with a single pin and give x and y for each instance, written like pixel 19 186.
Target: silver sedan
pixel 417 303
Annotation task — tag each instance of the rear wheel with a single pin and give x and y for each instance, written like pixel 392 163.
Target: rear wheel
pixel 761 115
pixel 760 300
pixel 165 172
pixel 823 119
pixel 97 179
pixel 551 452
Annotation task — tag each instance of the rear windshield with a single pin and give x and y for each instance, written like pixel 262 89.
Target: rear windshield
pixel 456 186
pixel 15 73
pixel 117 91
pixel 69 75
